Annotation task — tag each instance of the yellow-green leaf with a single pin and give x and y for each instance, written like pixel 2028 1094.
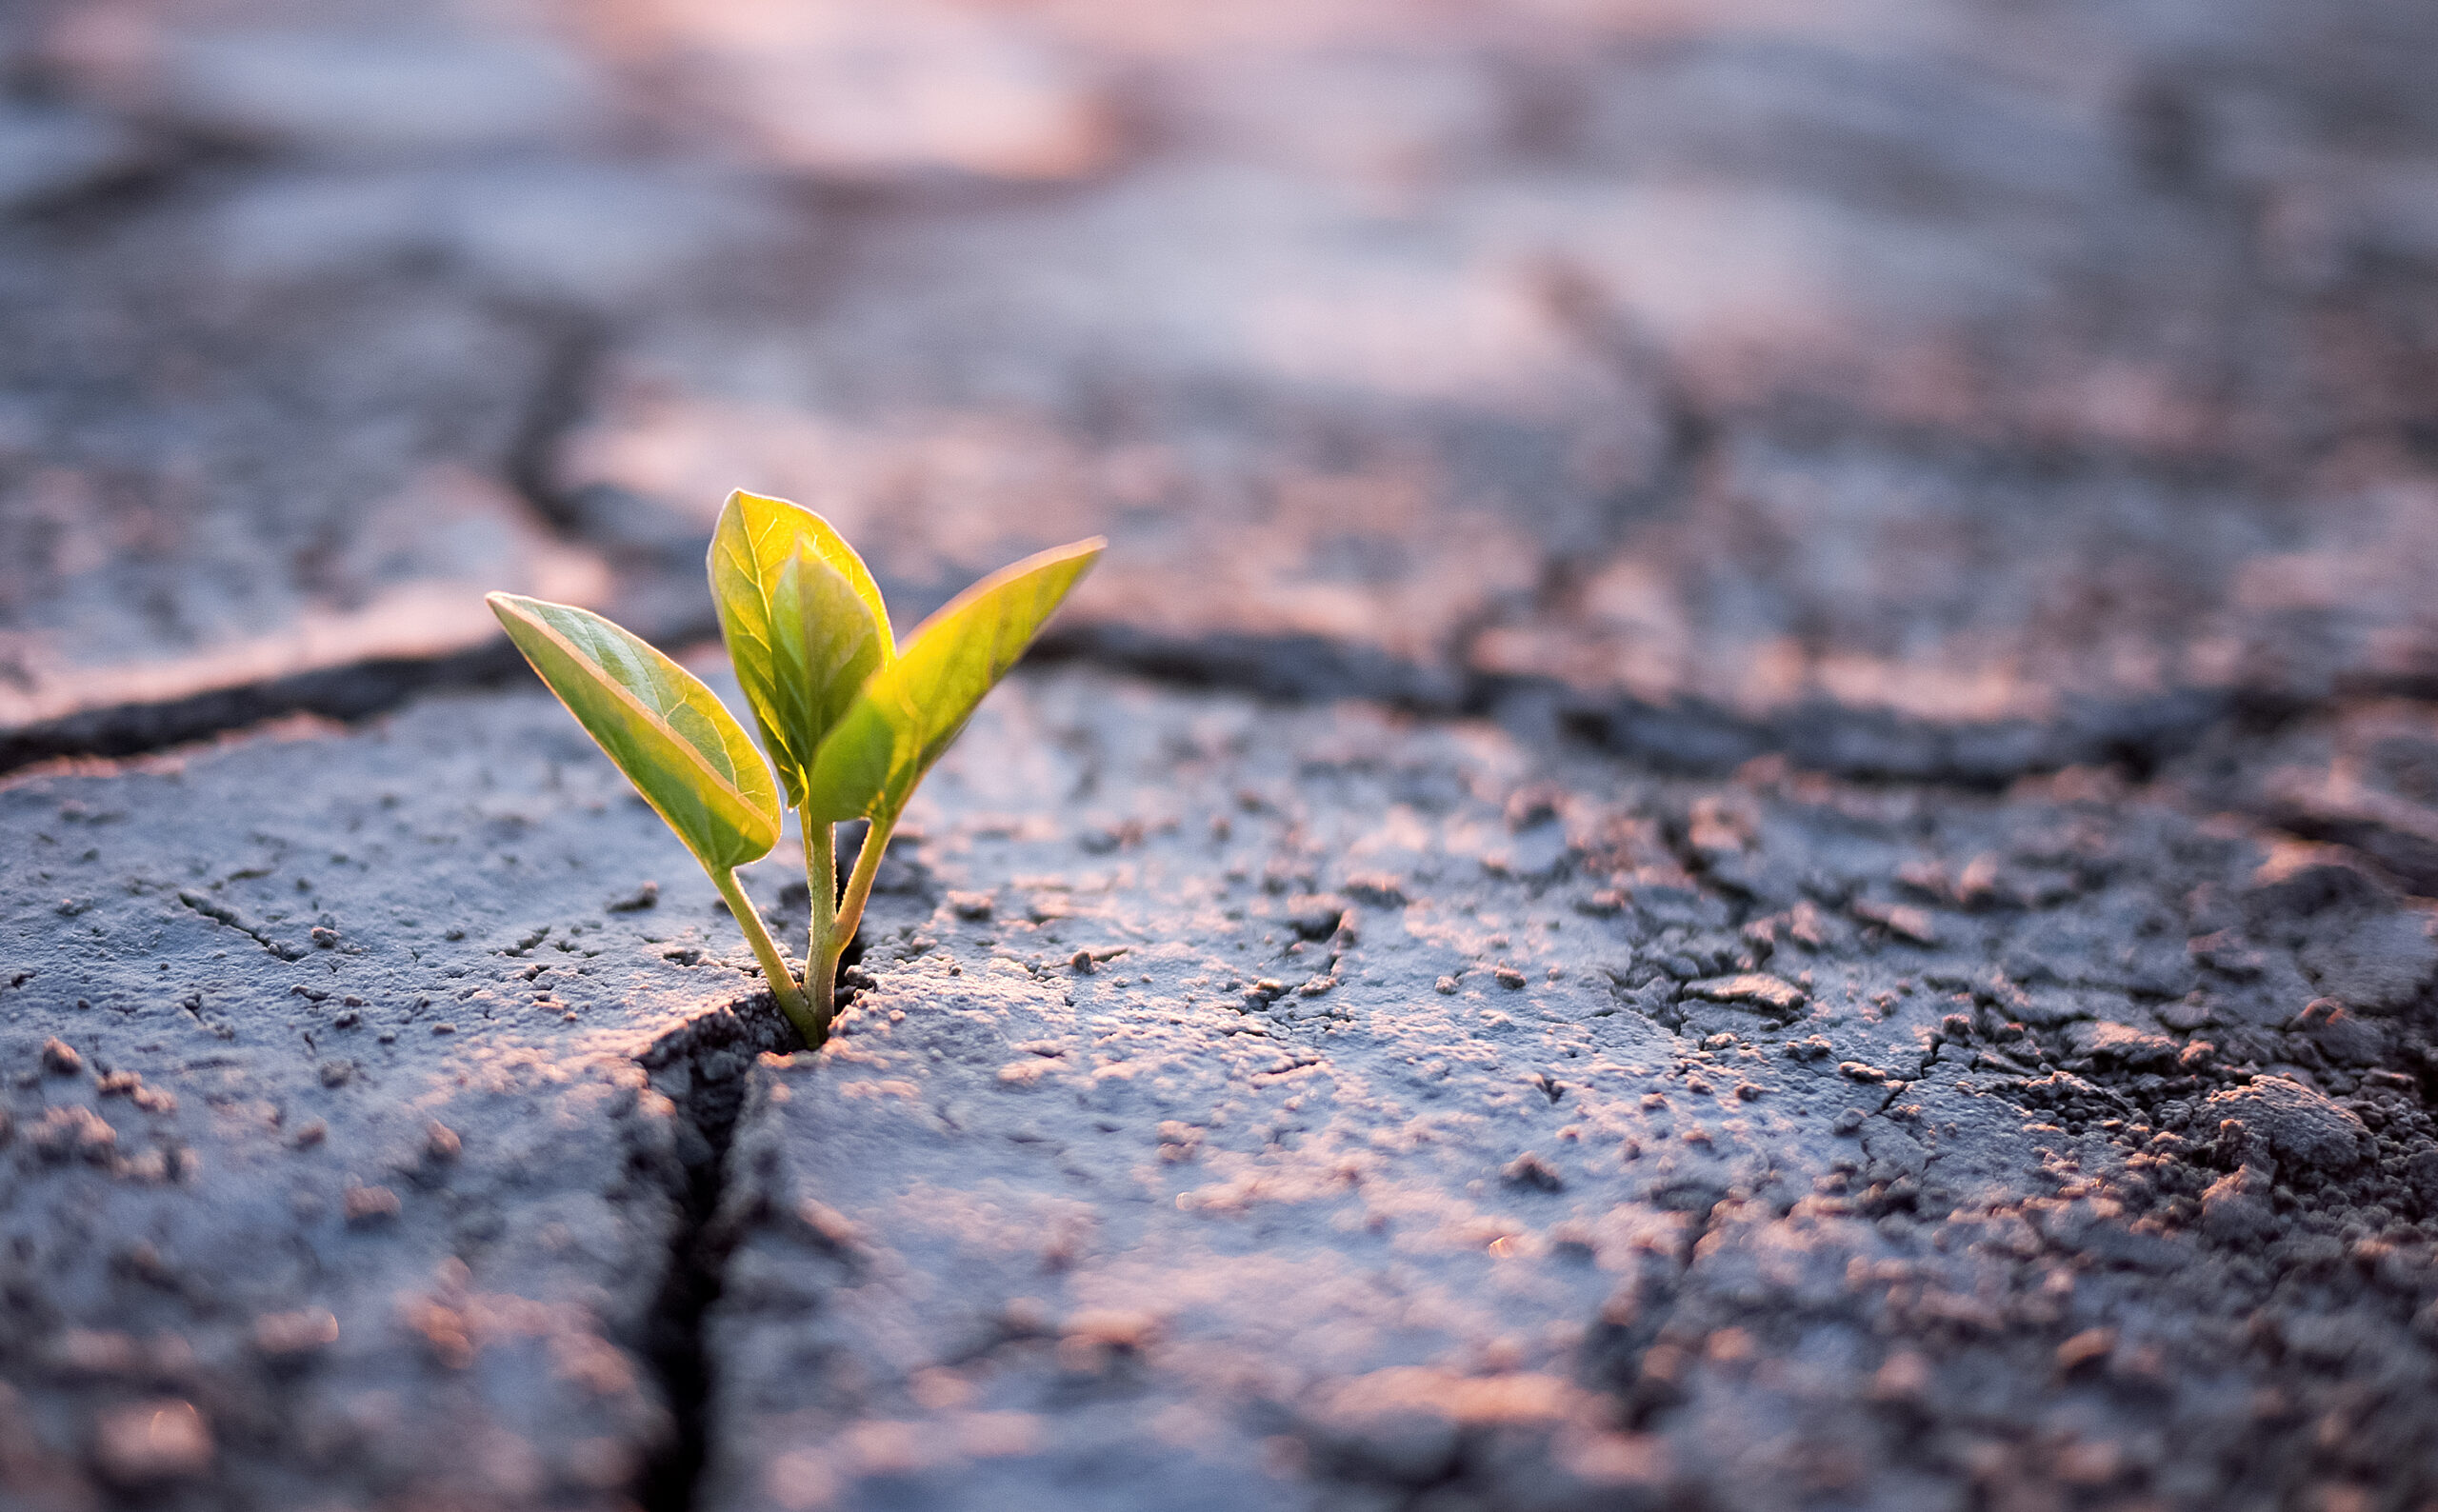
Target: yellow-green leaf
pixel 804 624
pixel 910 710
pixel 684 751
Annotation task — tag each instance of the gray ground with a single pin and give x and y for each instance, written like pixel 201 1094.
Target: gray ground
pixel 1243 1106
pixel 1940 391
pixel 1746 817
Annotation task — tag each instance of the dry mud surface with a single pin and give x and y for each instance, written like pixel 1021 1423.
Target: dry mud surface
pixel 1746 817
pixel 1942 391
pixel 1241 1106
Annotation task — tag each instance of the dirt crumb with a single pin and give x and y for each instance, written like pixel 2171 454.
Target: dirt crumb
pixel 146 1443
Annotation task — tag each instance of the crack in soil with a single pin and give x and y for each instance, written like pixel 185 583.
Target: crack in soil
pixel 224 915
pixel 358 690
pixel 703 1068
pixel 348 692
pixel 575 343
pixel 1686 735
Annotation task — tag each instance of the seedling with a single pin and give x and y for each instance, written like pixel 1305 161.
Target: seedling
pixel 852 720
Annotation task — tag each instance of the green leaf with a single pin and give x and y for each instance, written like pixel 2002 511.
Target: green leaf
pixel 804 624
pixel 684 751
pixel 914 707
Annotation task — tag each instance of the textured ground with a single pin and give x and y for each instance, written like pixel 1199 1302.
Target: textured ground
pixel 1746 817
pixel 317 1130
pixel 1329 1111
pixel 1927 390
pixel 1243 1106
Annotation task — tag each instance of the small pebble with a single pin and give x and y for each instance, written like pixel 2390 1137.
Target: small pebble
pixel 635 902
pixel 284 1335
pixel 2090 1346
pixel 60 1058
pixel 369 1204
pixel 146 1443
pixel 1528 1169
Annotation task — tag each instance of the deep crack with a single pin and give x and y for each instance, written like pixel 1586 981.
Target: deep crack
pixel 573 342
pixel 1685 734
pixel 351 691
pixel 703 1068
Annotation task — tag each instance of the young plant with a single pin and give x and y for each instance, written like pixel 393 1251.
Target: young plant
pixel 851 721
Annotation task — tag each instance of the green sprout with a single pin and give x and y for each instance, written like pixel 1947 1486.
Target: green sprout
pixel 850 719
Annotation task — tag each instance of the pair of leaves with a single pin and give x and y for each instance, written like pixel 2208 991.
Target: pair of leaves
pixel 804 621
pixel 850 723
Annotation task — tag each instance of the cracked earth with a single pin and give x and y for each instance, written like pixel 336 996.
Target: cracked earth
pixel 1313 1107
pixel 1747 817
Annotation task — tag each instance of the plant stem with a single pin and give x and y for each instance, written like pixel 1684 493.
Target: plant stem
pixel 859 886
pixel 821 881
pixel 774 965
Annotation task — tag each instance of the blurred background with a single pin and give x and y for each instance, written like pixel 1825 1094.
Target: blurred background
pixel 1926 388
